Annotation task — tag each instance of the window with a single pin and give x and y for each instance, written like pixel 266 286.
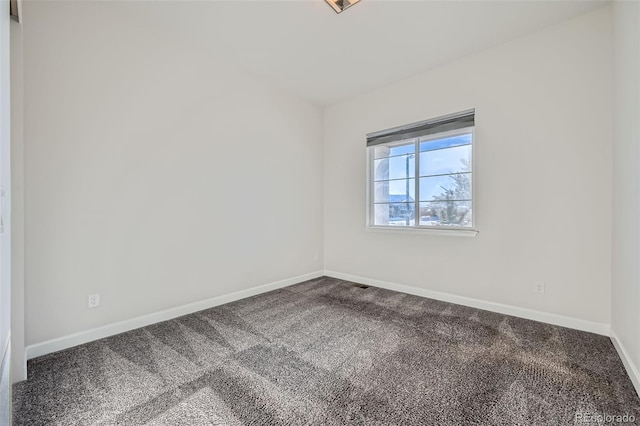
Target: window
pixel 421 174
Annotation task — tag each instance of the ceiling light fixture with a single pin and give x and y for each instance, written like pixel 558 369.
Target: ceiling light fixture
pixel 15 9
pixel 341 5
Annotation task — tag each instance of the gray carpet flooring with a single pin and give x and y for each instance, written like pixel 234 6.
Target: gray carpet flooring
pixel 324 352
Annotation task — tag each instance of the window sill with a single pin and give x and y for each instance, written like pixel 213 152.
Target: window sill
pixel 423 231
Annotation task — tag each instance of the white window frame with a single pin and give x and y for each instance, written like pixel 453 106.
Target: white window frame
pixel 417 228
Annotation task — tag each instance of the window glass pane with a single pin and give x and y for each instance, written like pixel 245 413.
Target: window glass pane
pixel 446 161
pixel 395 191
pixel 449 142
pixel 446 213
pixel 394 214
pixel 381 192
pixel 402 191
pixel 450 187
pixel 403 149
pixel 382 151
pixel 400 167
pixel 381 169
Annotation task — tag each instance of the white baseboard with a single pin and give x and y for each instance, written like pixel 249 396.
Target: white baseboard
pixel 629 365
pixel 65 342
pixel 5 384
pixel 549 318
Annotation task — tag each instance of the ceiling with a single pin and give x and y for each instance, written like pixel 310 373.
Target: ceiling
pixel 304 47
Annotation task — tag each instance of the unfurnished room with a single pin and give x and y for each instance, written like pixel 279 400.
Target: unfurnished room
pixel 319 212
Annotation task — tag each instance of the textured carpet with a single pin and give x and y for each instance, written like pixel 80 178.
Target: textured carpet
pixel 325 352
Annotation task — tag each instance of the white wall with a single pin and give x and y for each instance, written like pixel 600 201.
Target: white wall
pixel 18 369
pixel 543 135
pixel 625 316
pixel 153 175
pixel 5 242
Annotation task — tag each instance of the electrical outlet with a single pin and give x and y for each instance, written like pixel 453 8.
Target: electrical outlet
pixel 538 287
pixel 94 300
pixel 316 256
